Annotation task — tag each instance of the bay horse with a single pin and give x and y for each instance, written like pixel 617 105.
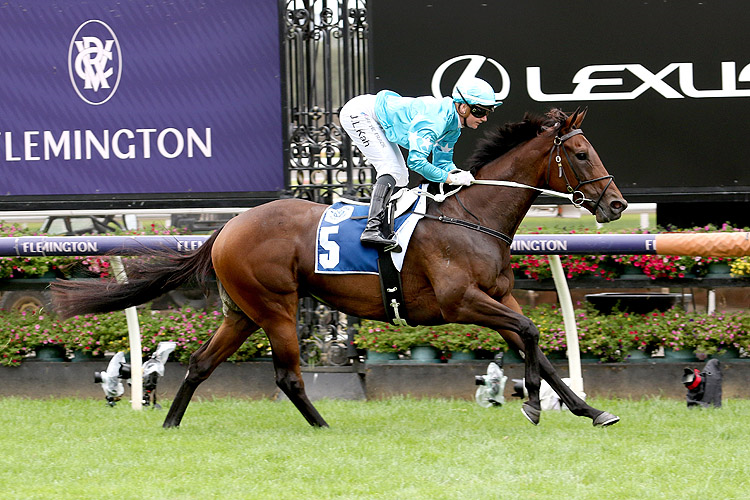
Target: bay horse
pixel 264 261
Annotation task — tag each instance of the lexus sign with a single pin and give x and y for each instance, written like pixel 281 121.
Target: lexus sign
pixel 667 84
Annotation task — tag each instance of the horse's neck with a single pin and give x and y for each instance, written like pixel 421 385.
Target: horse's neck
pixel 525 164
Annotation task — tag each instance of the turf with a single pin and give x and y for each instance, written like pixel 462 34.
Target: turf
pixel 400 448
pixel 586 223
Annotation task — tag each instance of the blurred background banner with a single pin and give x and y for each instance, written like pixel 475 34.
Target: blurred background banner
pixel 138 98
pixel 667 84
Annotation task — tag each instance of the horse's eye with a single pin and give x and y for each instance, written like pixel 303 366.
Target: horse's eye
pixel 582 156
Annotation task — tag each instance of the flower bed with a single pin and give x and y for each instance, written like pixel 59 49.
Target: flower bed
pixel 22 333
pixel 740 266
pixel 383 337
pixel 610 267
pixel 609 338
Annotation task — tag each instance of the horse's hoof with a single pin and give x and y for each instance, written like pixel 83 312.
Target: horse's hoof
pixel 605 418
pixel 532 414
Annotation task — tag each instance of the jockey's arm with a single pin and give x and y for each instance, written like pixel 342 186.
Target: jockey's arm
pixel 421 144
pixel 417 161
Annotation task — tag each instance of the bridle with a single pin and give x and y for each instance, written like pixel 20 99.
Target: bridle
pixel 577 196
pixel 574 194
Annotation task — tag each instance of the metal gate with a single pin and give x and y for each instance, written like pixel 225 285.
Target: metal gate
pixel 325 54
pixel 325 51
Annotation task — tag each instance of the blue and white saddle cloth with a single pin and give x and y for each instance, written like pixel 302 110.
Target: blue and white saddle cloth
pixel 338 250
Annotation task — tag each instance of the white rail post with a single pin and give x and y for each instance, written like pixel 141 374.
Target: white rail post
pixel 134 337
pixel 571 331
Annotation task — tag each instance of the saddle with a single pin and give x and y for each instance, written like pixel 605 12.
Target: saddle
pixel 339 251
pixel 403 200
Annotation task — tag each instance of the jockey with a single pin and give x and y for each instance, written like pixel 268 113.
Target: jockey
pixel 379 124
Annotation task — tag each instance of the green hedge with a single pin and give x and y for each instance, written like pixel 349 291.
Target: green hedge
pixel 21 333
pixel 607 337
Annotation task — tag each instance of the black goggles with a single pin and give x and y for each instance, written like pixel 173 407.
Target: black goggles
pixel 479 111
pixel 476 110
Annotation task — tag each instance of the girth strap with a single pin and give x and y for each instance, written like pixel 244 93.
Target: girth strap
pixel 390 288
pixel 390 277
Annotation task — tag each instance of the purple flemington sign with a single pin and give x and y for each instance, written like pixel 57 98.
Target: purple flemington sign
pixel 569 244
pixel 112 97
pixel 47 246
pixel 528 244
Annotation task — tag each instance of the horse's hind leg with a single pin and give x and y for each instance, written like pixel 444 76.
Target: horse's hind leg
pixel 285 346
pixel 223 343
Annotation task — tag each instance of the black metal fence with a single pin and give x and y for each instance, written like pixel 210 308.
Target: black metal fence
pixel 326 62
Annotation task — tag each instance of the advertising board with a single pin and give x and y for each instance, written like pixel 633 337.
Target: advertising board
pixel 139 103
pixel 667 84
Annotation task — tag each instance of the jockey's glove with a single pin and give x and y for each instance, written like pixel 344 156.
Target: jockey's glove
pixel 460 178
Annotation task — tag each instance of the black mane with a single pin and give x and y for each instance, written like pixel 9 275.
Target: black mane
pixel 501 140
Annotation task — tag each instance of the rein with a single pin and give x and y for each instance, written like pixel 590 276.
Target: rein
pixel 574 194
pixel 576 197
pixel 549 192
pixel 441 197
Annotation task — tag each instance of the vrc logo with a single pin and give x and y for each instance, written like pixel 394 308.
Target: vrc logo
pixel 94 62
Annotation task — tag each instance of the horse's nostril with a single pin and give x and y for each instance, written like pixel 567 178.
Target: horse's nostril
pixel 618 206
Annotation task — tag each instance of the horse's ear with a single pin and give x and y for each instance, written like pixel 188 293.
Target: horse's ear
pixel 581 115
pixel 574 120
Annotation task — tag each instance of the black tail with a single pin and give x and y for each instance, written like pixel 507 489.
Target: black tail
pixel 160 272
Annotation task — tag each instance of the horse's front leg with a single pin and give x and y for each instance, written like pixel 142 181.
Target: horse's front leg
pixel 532 408
pixel 576 405
pixel 478 308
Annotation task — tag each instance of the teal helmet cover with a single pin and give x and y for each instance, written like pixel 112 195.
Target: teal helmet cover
pixel 475 91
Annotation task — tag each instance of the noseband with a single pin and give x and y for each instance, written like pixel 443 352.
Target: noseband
pixel 577 196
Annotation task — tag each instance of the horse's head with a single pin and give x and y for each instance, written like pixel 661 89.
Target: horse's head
pixel 575 167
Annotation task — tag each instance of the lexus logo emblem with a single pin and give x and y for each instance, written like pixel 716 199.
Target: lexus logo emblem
pixel 476 62
pixel 94 62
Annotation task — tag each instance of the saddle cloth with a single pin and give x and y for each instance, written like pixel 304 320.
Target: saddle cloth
pixel 338 250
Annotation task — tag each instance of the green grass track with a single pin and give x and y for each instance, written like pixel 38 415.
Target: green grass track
pixel 392 449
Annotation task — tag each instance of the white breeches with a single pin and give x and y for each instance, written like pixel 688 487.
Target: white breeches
pixel 358 120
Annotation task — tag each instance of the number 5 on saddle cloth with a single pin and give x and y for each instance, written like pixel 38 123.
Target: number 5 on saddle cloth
pixel 339 251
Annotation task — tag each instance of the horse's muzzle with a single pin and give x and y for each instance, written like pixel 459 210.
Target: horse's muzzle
pixel 611 210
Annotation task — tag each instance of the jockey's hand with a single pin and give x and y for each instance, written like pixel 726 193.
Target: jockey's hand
pixel 460 178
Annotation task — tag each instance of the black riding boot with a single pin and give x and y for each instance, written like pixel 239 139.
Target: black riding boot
pixel 378 231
